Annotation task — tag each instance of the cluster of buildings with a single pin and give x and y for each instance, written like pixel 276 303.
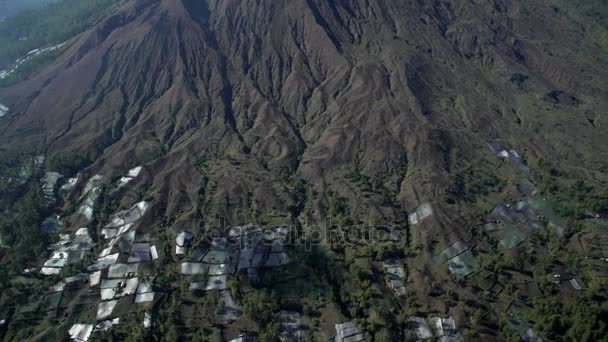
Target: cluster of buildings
pixel 459 259
pixel 89 195
pixel 121 265
pixel 121 272
pixel 509 155
pixel 70 249
pixel 442 329
pixel 6 73
pixel 246 249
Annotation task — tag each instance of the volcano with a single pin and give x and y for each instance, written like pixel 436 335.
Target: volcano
pixel 355 112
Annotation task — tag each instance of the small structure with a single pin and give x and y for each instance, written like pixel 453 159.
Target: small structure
pixel 122 270
pixel 510 155
pixel 49 182
pixel 443 329
pixel 70 183
pixel 115 288
pixel 104 309
pixel 107 324
pixel 422 212
pixel 421 327
pixel 103 262
pixel 576 284
pixel 134 172
pixel 147 320
pixel 191 268
pixel 81 332
pixel 3 109
pixel 94 278
pixel 348 332
pixel 153 252
pixel 144 297
pixel 181 242
pixel 90 193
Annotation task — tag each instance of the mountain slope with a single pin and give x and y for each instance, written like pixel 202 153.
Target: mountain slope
pixel 299 87
pixel 357 112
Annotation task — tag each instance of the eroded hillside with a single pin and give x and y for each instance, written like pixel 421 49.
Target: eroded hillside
pixel 355 113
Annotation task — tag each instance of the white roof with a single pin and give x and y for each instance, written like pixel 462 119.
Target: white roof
pixel 142 206
pixel 144 297
pixel 94 278
pixel 108 233
pixel 104 309
pixel 56 262
pixel 50 270
pixel 125 228
pixel 131 287
pixel 87 211
pixel 116 221
pixel 92 183
pixel 107 294
pixel 575 284
pixel 83 231
pixel 109 288
pixel 145 286
pixel 435 322
pixel 180 250
pixel 194 268
pixel 107 324
pixel 134 172
pixel 347 331
pixel 81 332
pixel 121 270
pixel 153 252
pixel 422 212
pixel 123 181
pixel 69 185
pixel 219 269
pixel 104 262
pixel 147 320
pixel 182 237
pixel 58 287
pixel 111 283
pixel 106 251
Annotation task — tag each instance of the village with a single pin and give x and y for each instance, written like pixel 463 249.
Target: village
pixel 117 268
